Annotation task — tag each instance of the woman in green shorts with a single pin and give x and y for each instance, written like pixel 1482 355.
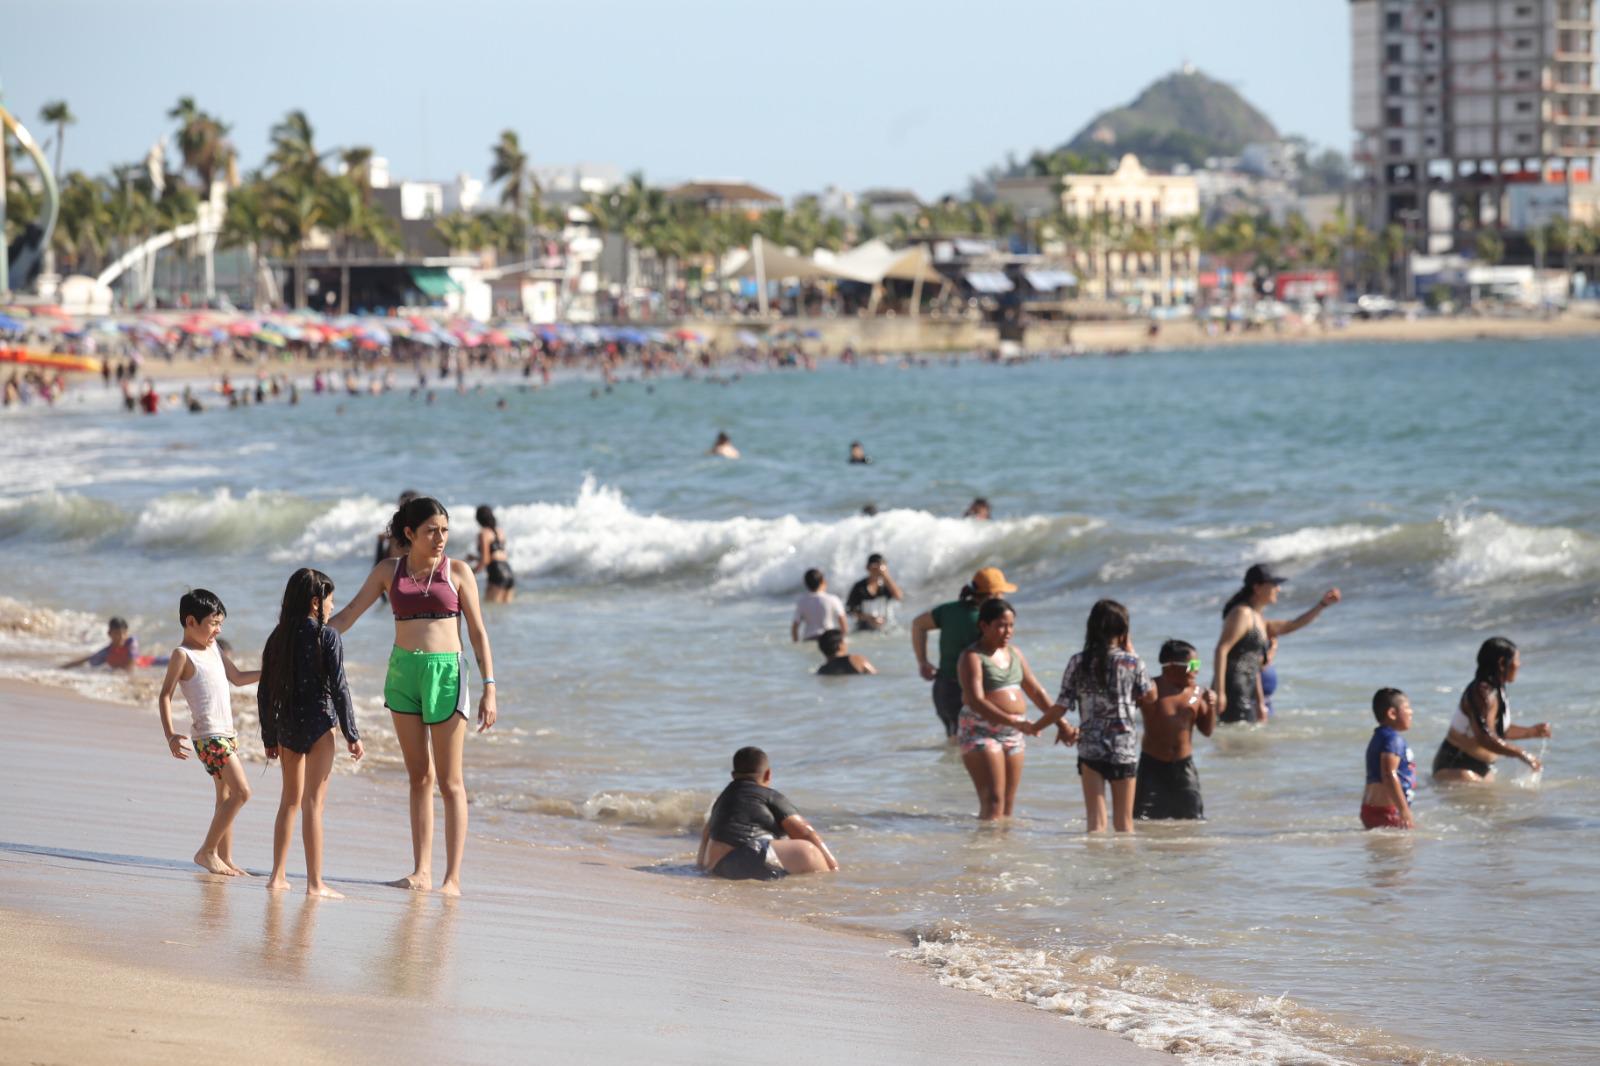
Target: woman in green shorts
pixel 426 690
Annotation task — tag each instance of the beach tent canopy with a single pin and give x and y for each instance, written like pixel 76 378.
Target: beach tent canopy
pixel 874 262
pixel 775 263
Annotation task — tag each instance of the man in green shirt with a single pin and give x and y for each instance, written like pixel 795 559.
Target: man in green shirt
pixel 957 623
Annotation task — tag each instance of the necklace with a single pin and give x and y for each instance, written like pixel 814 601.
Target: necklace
pixel 418 581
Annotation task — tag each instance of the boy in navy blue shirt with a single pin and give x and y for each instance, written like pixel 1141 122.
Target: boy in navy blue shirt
pixel 1391 768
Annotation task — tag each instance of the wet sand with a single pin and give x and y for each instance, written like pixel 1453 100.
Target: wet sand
pixel 116 948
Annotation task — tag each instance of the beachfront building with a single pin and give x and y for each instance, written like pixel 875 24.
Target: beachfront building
pixel 1127 233
pixel 718 196
pixel 1457 103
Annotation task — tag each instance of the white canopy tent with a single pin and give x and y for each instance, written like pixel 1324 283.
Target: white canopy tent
pixel 875 262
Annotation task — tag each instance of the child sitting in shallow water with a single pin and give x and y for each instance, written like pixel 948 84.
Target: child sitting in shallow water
pixel 303 696
pixel 204 671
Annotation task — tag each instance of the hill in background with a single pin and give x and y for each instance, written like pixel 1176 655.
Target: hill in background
pixel 1185 117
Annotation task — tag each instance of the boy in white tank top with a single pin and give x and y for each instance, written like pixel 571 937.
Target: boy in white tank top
pixel 203 671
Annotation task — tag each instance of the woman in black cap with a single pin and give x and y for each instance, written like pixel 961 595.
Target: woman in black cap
pixel 1242 648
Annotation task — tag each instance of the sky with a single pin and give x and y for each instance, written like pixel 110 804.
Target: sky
pixel 791 96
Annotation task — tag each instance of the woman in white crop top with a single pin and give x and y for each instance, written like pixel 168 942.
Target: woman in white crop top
pixel 1481 729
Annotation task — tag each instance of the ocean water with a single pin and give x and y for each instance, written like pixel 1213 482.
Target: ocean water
pixel 1450 491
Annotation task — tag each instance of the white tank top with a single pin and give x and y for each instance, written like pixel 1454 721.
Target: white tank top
pixel 1460 724
pixel 210 705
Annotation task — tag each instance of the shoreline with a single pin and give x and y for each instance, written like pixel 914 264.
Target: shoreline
pixel 581 955
pixel 1122 337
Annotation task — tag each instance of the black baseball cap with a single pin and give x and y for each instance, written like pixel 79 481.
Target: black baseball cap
pixel 1262 574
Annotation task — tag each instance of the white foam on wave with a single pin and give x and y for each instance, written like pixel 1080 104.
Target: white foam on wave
pixel 1486 549
pixel 599 537
pixel 1316 541
pixel 1156 1009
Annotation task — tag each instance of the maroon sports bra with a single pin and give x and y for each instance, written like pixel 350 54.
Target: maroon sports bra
pixel 432 597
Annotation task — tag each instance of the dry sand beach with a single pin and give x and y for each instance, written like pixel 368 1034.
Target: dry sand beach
pixel 116 949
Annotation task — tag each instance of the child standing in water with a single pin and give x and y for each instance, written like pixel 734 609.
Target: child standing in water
pixel 204 671
pixel 1391 768
pixel 1168 784
pixel 303 695
pixel 1106 684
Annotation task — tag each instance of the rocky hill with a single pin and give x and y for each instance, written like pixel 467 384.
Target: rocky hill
pixel 1185 117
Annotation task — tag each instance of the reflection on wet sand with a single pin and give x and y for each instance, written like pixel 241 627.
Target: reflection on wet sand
pixel 289 949
pixel 420 949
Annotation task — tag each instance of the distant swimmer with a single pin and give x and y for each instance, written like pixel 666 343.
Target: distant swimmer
pixel 1105 683
pixel 858 454
pixel 1246 636
pixel 723 446
pixel 992 731
pixel 388 547
pixel 121 653
pixel 869 599
pixel 817 611
pixel 1168 785
pixel 1481 729
pixel 753 832
pixel 978 509
pixel 838 661
pixel 493 559
pixel 1391 766
pixel 957 623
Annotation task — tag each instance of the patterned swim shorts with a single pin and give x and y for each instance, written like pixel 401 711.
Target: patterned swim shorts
pixel 975 734
pixel 214 752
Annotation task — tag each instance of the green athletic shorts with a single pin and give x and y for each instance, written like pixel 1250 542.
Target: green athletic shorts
pixel 426 683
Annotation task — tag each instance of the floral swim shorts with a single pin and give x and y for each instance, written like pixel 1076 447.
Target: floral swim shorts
pixel 974 734
pixel 214 751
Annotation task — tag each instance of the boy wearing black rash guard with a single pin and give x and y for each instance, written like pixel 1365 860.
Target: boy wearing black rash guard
pixel 753 832
pixel 1168 785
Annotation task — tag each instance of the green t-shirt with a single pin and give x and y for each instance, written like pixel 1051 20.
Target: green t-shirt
pixel 958 628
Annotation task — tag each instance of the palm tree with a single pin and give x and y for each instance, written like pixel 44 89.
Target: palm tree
pixel 58 114
pixel 510 166
pixel 84 220
pixel 202 141
pixel 1489 246
pixel 248 225
pixel 349 214
pixel 461 232
pixel 294 146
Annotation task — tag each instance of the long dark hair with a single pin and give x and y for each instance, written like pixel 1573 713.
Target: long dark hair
pixel 276 693
pixel 485 517
pixel 1108 622
pixel 412 514
pixel 1494 656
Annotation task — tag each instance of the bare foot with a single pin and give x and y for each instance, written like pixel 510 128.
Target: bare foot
pixel 278 884
pixel 323 891
pixel 450 888
pixel 209 862
pixel 413 883
pixel 238 871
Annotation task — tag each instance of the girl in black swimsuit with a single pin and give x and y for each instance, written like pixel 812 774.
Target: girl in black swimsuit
pixel 493 559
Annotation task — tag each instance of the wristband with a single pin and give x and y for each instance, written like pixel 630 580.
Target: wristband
pixel 488 681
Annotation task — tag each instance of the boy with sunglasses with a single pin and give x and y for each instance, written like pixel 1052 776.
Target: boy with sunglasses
pixel 1168 785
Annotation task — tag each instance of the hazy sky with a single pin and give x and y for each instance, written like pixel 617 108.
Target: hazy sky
pixel 792 96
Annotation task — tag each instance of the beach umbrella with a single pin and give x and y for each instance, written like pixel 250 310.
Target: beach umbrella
pixel 744 336
pixel 497 339
pixel 10 325
pixel 812 334
pixel 687 335
pixel 244 329
pixel 276 340
pixel 427 340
